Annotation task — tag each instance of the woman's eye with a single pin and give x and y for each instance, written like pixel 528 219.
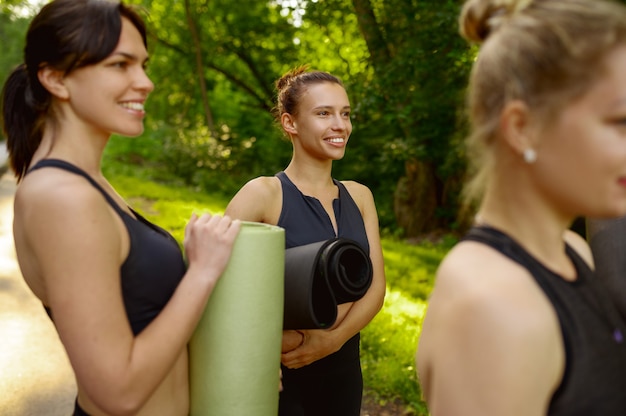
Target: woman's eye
pixel 120 64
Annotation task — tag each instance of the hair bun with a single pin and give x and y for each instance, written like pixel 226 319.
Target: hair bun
pixel 480 18
pixel 284 81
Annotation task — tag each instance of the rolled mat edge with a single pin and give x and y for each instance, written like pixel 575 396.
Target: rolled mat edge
pixel 321 275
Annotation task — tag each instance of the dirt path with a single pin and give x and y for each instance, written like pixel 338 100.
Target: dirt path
pixel 372 407
pixel 35 376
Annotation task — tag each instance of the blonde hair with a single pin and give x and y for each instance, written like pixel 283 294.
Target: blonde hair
pixel 542 52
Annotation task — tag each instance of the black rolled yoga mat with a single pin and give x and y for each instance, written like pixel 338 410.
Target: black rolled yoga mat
pixel 318 277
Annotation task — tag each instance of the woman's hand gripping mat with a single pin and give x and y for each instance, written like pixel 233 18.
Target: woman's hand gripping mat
pixel 234 353
pixel 320 276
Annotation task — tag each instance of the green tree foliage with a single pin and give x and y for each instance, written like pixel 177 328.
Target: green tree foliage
pixel 234 53
pixel 12 32
pixel 405 67
pixel 12 29
pixel 214 67
pixel 421 66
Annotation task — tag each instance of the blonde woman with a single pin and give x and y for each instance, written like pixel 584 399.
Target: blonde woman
pixel 517 324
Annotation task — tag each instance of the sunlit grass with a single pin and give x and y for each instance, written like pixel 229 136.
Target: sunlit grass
pixel 388 350
pixel 411 268
pixel 388 343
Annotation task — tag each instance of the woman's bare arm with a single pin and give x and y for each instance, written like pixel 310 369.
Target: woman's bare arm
pixel 78 242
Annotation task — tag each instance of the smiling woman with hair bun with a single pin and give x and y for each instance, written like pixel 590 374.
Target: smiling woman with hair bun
pixel 517 323
pixel 321 367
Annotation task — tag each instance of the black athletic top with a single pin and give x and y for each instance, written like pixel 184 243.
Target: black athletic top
pixel 154 266
pixel 333 385
pixel 306 221
pixel 593 332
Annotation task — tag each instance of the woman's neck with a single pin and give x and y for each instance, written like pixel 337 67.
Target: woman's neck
pixel 83 151
pixel 531 223
pixel 316 175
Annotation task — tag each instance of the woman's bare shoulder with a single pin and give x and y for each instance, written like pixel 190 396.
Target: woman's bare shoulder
pixel 57 215
pixel 258 200
pixel 473 270
pixel 263 185
pixel 487 316
pixel 56 191
pixel 361 194
pixel 357 188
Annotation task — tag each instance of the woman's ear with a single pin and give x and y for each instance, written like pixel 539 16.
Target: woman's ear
pixel 516 127
pixel 288 123
pixel 53 80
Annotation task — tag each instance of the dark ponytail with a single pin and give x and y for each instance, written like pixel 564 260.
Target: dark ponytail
pixel 21 120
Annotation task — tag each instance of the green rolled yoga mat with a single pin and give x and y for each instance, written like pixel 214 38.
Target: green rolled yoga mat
pixel 234 354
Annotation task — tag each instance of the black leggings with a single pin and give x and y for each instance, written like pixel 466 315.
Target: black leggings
pixel 332 386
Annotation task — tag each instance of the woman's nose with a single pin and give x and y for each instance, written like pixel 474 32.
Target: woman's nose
pixel 143 82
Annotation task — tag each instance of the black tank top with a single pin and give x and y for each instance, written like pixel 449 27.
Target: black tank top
pixel 306 221
pixel 595 352
pixel 154 266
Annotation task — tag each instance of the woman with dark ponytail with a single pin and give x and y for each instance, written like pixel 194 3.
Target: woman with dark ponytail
pixel 123 298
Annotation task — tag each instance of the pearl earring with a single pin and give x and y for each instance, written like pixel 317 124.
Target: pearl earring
pixel 530 156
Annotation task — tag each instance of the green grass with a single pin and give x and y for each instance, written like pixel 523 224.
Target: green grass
pixel 168 202
pixel 388 342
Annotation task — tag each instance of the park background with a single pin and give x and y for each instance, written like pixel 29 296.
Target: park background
pixel 209 130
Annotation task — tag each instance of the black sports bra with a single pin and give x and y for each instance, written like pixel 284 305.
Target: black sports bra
pixel 154 265
pixel 592 329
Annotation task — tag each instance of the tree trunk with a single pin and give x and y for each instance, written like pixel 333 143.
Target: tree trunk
pixel 374 38
pixel 200 69
pixel 415 199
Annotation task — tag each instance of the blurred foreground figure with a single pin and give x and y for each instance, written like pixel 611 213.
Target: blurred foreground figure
pixel 517 323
